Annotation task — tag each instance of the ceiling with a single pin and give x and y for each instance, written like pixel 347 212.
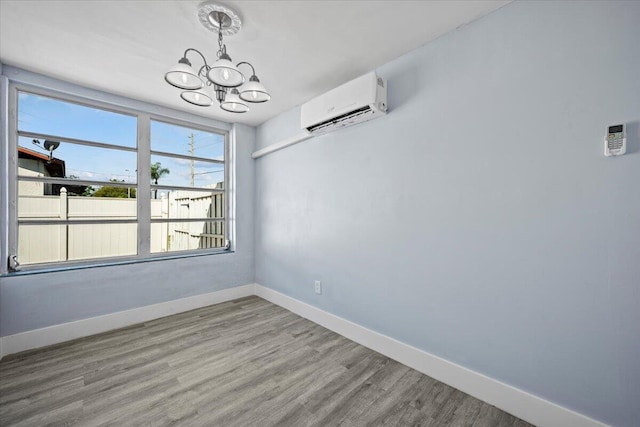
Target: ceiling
pixel 300 49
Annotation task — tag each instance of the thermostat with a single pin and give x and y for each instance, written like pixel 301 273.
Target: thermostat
pixel 615 143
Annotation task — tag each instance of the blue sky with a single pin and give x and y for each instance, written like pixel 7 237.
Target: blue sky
pixel 61 118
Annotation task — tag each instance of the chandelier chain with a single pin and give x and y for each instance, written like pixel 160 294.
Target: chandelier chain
pixel 221 48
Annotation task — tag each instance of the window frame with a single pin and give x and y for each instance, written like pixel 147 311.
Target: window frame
pixel 144 117
pixel 225 163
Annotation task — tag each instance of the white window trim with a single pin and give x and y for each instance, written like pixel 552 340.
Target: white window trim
pixel 20 80
pixel 4 173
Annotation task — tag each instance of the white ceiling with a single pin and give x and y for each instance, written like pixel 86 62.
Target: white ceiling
pixel 300 48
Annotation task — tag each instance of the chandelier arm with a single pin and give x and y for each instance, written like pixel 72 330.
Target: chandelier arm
pixel 199 53
pixel 253 70
pixel 203 72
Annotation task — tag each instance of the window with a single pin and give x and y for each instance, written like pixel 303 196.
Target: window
pixel 188 182
pixel 92 184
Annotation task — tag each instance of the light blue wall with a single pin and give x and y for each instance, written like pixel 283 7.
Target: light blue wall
pixel 36 301
pixel 480 220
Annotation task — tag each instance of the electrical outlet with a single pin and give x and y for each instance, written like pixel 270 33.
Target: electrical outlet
pixel 318 287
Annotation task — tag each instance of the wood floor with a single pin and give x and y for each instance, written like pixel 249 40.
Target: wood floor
pixel 240 363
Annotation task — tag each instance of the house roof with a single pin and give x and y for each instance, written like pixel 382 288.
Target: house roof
pixel 55 167
pixel 25 153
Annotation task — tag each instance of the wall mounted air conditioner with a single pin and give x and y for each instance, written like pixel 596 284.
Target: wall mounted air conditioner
pixel 357 101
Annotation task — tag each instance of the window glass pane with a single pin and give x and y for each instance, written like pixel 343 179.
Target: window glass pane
pixel 182 236
pixel 51 116
pixel 39 243
pixel 55 243
pixel 76 162
pixel 32 204
pixel 186 173
pixel 189 142
pixel 102 240
pixel 189 235
pixel 110 203
pixel 169 204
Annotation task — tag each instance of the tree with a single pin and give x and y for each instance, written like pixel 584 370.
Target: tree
pixel 80 190
pixel 157 172
pixel 118 192
pixel 89 191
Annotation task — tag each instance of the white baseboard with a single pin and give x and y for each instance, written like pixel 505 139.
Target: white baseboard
pixel 519 403
pixel 523 405
pixel 36 338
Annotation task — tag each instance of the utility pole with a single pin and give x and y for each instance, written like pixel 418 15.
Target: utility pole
pixel 128 181
pixel 191 162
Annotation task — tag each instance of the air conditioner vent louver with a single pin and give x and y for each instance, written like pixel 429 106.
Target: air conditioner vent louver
pixel 341 121
pixel 357 101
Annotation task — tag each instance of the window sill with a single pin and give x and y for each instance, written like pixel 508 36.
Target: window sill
pixel 31 270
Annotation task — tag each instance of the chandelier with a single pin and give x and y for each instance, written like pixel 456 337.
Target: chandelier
pixel 222 81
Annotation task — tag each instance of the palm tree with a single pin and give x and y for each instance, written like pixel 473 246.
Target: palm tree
pixel 157 172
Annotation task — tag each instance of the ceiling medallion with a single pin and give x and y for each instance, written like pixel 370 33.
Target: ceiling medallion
pixel 208 15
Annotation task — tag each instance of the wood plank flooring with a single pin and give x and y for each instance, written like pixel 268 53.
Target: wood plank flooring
pixel 241 363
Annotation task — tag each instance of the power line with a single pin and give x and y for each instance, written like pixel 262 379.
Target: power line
pixel 108 174
pixel 204 173
pixel 207 145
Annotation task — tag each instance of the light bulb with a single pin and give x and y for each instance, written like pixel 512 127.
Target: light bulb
pixel 225 74
pixel 254 94
pixel 234 106
pixel 183 77
pixel 197 96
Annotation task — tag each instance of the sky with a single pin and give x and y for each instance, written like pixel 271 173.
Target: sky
pixel 50 116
